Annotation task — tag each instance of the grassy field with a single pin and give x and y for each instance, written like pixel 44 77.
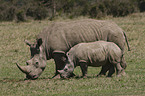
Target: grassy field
pixel 13 49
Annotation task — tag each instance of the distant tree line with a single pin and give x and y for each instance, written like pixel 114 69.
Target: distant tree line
pixel 22 10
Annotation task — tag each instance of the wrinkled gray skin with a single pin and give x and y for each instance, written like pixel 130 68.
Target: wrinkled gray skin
pixel 55 40
pixel 33 69
pixel 96 54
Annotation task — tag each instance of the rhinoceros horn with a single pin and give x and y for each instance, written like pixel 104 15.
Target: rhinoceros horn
pixel 24 69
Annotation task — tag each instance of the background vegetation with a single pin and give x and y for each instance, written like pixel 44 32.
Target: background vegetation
pixel 13 49
pixel 22 10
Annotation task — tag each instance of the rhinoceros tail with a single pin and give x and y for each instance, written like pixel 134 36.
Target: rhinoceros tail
pixel 126 41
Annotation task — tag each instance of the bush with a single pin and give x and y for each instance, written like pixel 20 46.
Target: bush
pixel 142 5
pixel 112 7
pixel 122 8
pixel 41 9
pixel 7 12
pixel 20 10
pixel 98 10
pixel 37 12
pixel 21 16
pixel 11 11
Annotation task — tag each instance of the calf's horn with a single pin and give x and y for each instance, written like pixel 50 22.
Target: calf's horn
pixel 24 69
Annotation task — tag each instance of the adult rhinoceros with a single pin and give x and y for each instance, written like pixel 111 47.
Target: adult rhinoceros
pixel 55 40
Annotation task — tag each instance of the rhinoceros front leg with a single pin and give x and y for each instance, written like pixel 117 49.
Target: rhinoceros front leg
pixel 59 59
pixel 59 64
pixel 104 69
pixel 111 71
pixel 84 68
pixel 119 69
pixel 123 63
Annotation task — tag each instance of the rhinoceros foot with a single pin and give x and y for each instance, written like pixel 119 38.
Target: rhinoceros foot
pixel 56 76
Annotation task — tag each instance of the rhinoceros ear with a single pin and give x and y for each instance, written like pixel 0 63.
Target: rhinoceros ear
pixel 28 43
pixel 39 42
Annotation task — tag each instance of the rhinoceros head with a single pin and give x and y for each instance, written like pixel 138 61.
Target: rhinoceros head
pixel 37 63
pixel 35 66
pixel 67 71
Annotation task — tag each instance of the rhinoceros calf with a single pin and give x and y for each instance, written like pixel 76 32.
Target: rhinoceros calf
pixel 99 53
pixel 55 40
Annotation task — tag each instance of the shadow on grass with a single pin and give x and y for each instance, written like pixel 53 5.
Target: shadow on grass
pixel 5 80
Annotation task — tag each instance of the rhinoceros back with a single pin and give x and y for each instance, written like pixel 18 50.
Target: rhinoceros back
pixel 61 36
pixel 95 53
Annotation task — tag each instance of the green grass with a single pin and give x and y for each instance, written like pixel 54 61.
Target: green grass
pixel 13 49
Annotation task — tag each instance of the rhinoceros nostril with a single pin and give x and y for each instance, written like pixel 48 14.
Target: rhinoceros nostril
pixel 27 63
pixel 35 76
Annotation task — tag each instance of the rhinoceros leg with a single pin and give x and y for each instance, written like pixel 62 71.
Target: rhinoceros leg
pixel 119 69
pixel 59 59
pixel 123 63
pixel 84 68
pixel 104 69
pixel 59 64
pixel 120 41
pixel 111 71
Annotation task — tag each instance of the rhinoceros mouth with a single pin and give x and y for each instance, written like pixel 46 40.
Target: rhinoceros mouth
pixel 31 77
pixel 35 76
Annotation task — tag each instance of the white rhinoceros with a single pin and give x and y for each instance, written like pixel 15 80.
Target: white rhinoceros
pixel 55 40
pixel 96 54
